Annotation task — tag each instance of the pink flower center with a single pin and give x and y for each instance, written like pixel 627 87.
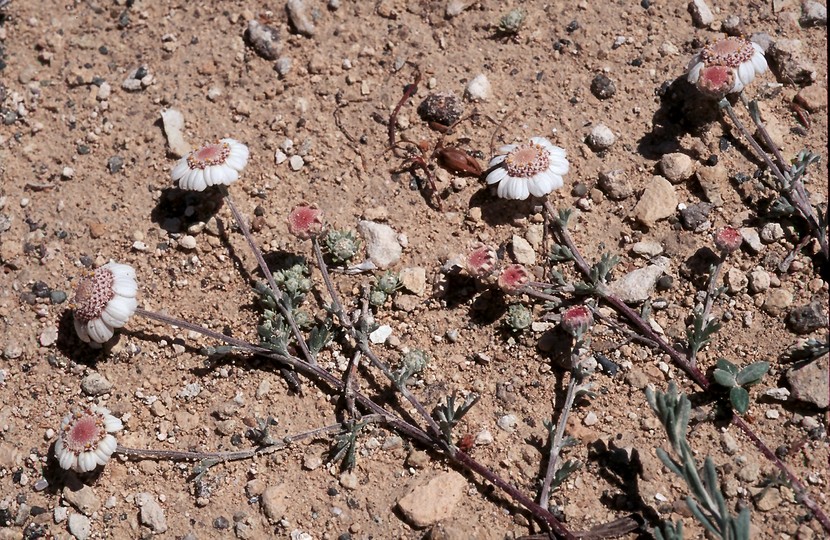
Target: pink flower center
pixel 84 433
pixel 304 221
pixel 730 52
pixel 93 294
pixel 209 155
pixel 526 160
pixel 716 81
pixel 513 278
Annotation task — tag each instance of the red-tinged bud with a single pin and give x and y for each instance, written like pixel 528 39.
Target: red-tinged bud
pixel 513 278
pixel 577 320
pixel 305 221
pixel 728 240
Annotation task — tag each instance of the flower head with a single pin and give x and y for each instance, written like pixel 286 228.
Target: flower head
pixel 532 168
pixel 85 440
pixel 728 239
pixel 211 165
pixel 726 66
pixel 105 300
pixel 305 221
pixel 513 278
pixel 577 320
pixel 481 261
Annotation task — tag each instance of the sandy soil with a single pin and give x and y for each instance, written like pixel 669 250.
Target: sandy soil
pixel 85 179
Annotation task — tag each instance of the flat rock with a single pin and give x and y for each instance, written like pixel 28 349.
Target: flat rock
pixel 701 13
pixel 522 251
pixel 752 239
pixel 790 63
pixel 813 98
pixel 274 501
pixel 808 383
pixel 809 318
pixel 95 384
pixel 677 167
pixel 433 501
pixel 615 184
pixel 263 39
pixel 636 287
pixel 300 18
pixel 647 248
pixel 713 180
pixel 777 301
pixel 79 526
pixel 414 280
pixel 83 499
pixel 173 121
pixel 151 515
pixel 813 14
pixel 382 245
pixel 657 202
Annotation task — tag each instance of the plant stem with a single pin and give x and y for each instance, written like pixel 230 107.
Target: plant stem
pixel 708 302
pixel 285 311
pixel 177 455
pixel 556 441
pixel 400 425
pixel 792 190
pixel 694 373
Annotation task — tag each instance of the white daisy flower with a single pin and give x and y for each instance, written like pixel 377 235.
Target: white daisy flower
pixel 103 301
pixel 726 66
pixel 211 165
pixel 533 168
pixel 85 440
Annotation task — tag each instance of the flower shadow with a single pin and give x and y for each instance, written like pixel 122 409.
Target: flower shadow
pixel 496 211
pixel 179 209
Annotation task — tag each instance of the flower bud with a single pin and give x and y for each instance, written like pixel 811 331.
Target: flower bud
pixel 481 261
pixel 513 278
pixel 305 221
pixel 519 317
pixel 728 240
pixel 577 320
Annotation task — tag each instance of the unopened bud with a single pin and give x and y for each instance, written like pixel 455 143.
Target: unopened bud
pixel 513 278
pixel 577 320
pixel 305 221
pixel 728 239
pixel 481 261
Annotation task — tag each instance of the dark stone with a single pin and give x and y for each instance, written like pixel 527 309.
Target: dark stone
pixel 695 215
pixel 115 164
pixel 665 283
pixel 263 39
pixel 442 108
pixel 579 190
pixel 83 149
pixel 41 289
pixel 221 523
pixel 806 319
pixel 603 87
pixel 57 297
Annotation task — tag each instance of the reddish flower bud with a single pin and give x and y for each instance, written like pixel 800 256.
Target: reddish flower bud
pixel 728 239
pixel 513 278
pixel 577 320
pixel 481 261
pixel 305 221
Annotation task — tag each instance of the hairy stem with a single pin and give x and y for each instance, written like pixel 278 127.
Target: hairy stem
pixel 556 441
pixel 681 361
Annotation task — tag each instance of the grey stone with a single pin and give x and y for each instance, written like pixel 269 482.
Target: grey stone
pixel 615 184
pixel 701 13
pixel 752 239
pixel 414 280
pixel 657 202
pixel 433 501
pixel 601 138
pixel 809 318
pixel 808 383
pixel 382 245
pixel 813 14
pixel 300 18
pixel 603 87
pixel 759 280
pixel 677 167
pixel 95 384
pixel 736 280
pixel 173 122
pixel 647 248
pixel 264 39
pixel 79 526
pixel 696 217
pixel 771 232
pixel 637 286
pixel 507 422
pixel 151 515
pixel 790 63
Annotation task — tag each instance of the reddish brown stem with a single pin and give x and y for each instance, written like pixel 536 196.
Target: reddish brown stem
pixel 682 362
pixel 408 91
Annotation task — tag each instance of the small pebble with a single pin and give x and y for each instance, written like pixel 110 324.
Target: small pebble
pixel 478 89
pixel 296 163
pixel 601 138
pixel 603 87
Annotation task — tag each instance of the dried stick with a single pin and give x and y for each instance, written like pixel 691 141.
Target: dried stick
pixel 682 362
pixel 408 92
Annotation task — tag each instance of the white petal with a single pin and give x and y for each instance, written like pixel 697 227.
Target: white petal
pixel 99 331
pixel 210 173
pixel 759 63
pixel 87 462
pixel 497 175
pixel 125 286
pixel 557 152
pixel 80 329
pixel 194 181
pixel 180 169
pixel 694 72
pixel 541 141
pixel 118 311
pixel 112 423
pixel 541 184
pixel 513 188
pixel 224 174
pixel 105 448
pixel 746 72
pixel 66 459
pixel 496 160
pixel 507 148
pixel 737 86
pixel 559 166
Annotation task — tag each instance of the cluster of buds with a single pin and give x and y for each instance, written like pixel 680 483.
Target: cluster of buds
pixel 342 246
pixel 386 285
